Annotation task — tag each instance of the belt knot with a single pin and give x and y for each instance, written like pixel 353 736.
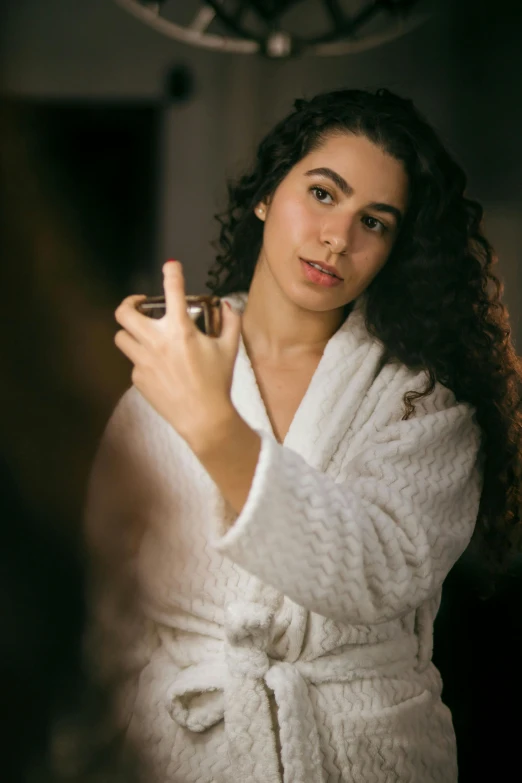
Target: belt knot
pixel 248 628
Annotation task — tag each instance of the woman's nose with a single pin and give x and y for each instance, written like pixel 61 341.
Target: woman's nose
pixel 336 234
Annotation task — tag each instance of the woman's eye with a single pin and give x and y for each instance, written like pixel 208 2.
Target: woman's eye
pixel 374 225
pixel 321 194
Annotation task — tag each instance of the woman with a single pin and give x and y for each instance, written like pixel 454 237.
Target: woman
pixel 291 495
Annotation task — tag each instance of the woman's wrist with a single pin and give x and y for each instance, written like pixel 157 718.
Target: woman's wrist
pixel 207 436
pixel 228 448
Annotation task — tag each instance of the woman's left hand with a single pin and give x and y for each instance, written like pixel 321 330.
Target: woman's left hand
pixel 184 374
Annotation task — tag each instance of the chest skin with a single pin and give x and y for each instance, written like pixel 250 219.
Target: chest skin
pixel 282 388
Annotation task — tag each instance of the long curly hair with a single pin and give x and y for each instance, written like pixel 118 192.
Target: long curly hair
pixel 435 305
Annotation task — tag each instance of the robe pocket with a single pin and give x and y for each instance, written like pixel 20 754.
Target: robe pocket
pixel 385 744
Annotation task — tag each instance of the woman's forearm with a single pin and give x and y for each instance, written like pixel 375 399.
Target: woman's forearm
pixel 229 451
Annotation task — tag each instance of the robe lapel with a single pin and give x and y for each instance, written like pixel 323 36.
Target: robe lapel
pixel 246 394
pixel 344 375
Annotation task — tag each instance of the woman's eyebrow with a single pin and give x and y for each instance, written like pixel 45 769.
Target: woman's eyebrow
pixel 344 187
pixel 324 171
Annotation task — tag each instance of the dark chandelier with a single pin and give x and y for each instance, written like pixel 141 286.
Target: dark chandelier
pixel 281 28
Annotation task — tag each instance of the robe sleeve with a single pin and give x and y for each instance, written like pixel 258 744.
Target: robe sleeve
pixel 378 544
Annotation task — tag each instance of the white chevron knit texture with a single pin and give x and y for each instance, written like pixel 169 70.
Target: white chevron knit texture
pixel 295 646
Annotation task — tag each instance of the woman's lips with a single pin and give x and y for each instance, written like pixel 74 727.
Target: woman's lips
pixel 313 275
pixel 326 267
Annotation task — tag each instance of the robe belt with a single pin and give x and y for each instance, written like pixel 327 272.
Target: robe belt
pixel 235 687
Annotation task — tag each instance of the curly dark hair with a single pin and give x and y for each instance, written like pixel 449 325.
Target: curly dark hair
pixel 436 303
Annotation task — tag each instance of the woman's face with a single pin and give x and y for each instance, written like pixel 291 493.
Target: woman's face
pixel 341 205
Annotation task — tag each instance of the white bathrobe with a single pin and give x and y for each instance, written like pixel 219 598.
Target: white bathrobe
pixel 294 646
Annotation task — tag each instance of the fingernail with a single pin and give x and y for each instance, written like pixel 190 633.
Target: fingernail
pixel 171 261
pixel 228 305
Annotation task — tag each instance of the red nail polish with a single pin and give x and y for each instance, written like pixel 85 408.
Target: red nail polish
pixel 171 261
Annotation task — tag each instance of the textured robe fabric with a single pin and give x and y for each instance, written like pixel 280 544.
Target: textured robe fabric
pixel 291 643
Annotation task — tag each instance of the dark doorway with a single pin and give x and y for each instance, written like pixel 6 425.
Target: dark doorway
pixel 101 162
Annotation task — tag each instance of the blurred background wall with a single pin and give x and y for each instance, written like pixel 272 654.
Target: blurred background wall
pixel 462 68
pixel 115 147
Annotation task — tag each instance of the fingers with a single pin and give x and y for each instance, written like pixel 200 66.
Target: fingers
pixel 132 321
pixel 174 287
pixel 133 300
pixel 231 328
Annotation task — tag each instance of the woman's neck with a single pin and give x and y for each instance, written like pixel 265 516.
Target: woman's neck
pixel 277 330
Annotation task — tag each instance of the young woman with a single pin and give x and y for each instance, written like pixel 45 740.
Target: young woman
pixel 273 511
